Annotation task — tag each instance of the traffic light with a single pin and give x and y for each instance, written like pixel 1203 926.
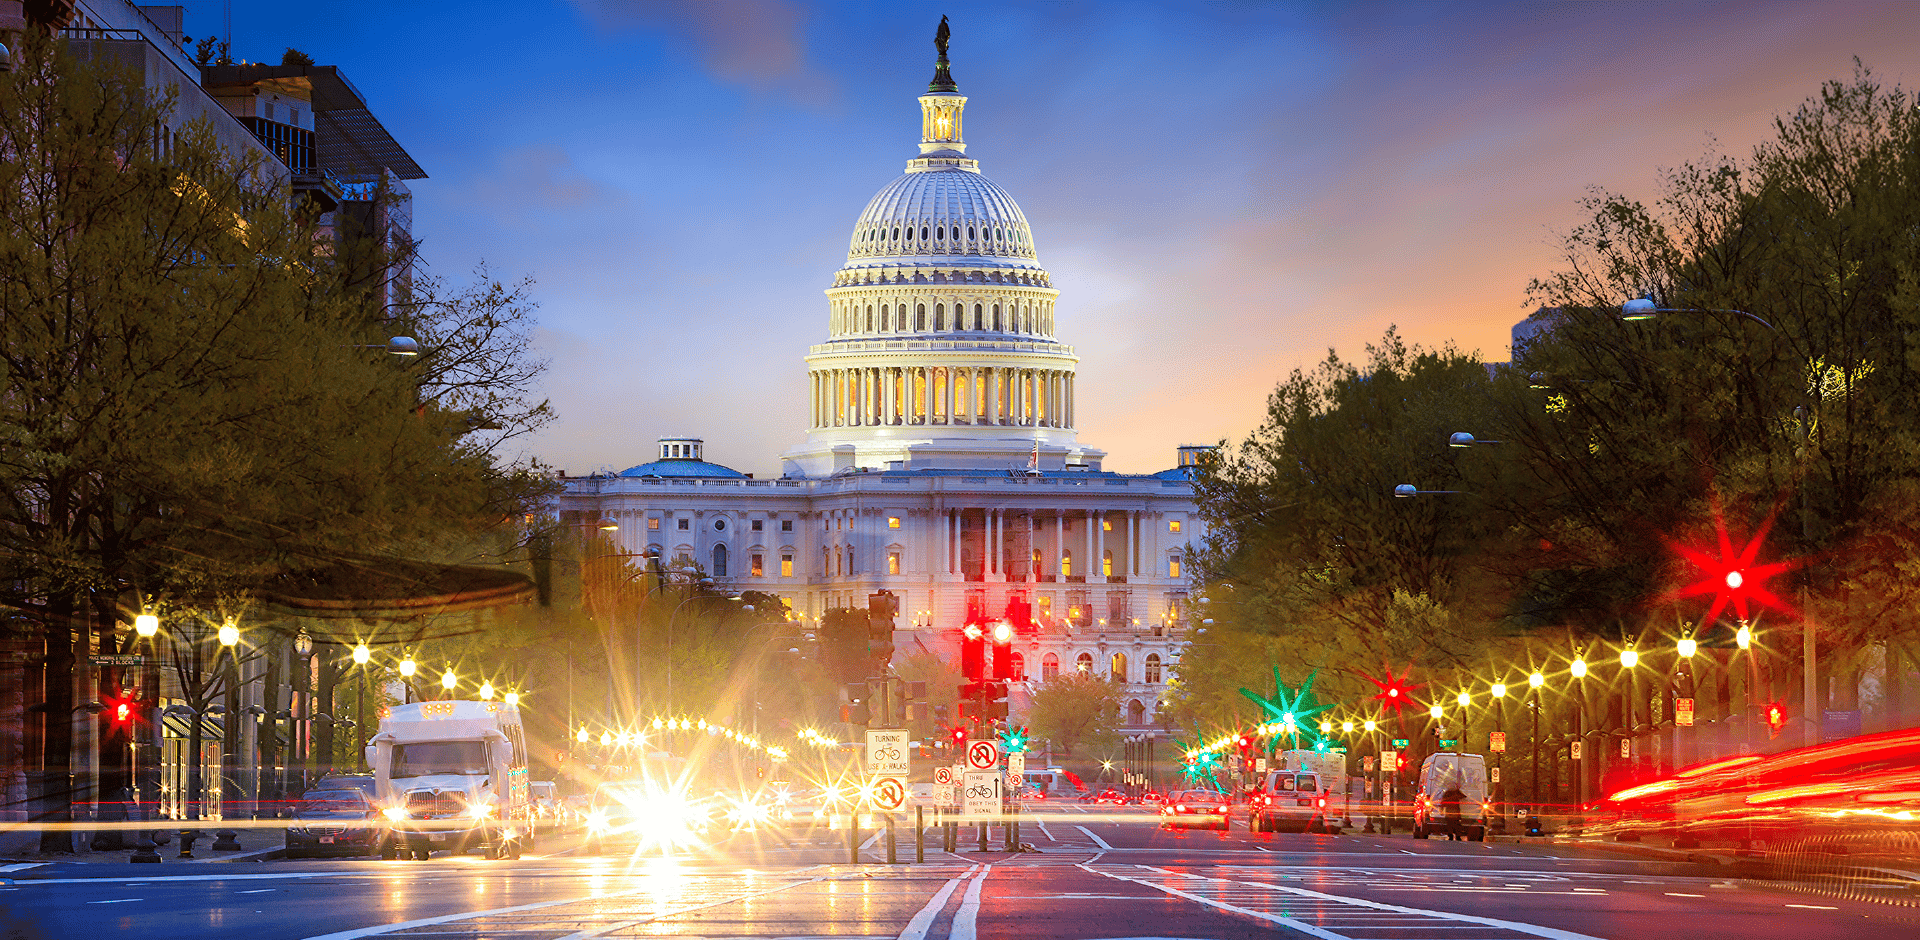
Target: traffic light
pixel 1003 650
pixel 973 652
pixel 1776 719
pixel 881 607
pixel 958 736
pixel 856 714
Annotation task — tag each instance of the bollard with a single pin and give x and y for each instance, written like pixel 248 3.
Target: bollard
pixel 227 841
pixel 983 835
pixel 853 838
pixel 186 842
pixel 144 850
pixel 892 859
pixel 919 834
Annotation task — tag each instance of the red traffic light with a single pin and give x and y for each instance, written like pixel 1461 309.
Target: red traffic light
pixel 1246 742
pixel 972 631
pixel 1776 719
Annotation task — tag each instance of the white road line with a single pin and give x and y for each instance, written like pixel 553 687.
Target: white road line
pixel 22 866
pixel 115 901
pixel 1302 926
pixel 149 879
pixel 258 891
pixel 966 919
pixel 1096 839
pixel 1044 832
pixel 923 921
pixel 472 915
pixel 1549 933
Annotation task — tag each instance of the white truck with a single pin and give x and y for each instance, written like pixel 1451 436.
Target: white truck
pixel 452 775
pixel 1465 776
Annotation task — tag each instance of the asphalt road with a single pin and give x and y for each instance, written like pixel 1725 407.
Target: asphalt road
pixel 1095 873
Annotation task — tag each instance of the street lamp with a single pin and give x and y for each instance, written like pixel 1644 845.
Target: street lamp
pixel 447 682
pixel 486 691
pixel 361 657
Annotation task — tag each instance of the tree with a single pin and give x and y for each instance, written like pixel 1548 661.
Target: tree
pixel 1781 385
pixel 184 405
pixel 1076 709
pixel 1313 563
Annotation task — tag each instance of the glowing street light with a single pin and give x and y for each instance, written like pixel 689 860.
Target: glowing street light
pixel 581 736
pixel 147 625
pixel 362 655
pixel 1629 658
pixel 229 634
pixel 486 691
pixel 447 680
pixel 1435 712
pixel 606 738
pixel 1579 669
pixel 1464 698
pixel 408 668
pixel 513 698
pixel 1688 647
pixel 1499 690
pixel 1371 724
pixel 1744 638
pixel 1536 680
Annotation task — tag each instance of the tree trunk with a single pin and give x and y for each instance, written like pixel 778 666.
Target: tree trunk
pixel 55 795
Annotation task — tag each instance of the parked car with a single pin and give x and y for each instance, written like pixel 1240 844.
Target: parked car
pixel 1206 809
pixel 334 822
pixel 1111 796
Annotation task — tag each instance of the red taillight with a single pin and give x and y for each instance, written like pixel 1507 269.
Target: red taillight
pixel 1323 802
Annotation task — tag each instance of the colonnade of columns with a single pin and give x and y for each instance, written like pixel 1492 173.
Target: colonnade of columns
pixel 1132 533
pixel 942 395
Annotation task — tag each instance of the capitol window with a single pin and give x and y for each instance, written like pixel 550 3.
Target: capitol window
pixel 893 522
pixel 786 566
pixel 756 525
pixel 1066 564
pixel 1173 566
pixel 786 525
pixel 1153 668
pixel 653 523
pixel 758 565
pixel 683 525
pixel 1173 525
pixel 1083 663
pixel 1049 666
pixel 893 562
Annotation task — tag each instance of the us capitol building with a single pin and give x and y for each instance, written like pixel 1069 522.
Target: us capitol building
pixel 941 461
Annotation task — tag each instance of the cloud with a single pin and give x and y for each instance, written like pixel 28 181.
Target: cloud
pixel 760 44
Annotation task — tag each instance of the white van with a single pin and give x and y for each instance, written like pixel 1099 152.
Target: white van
pixel 452 775
pixel 1443 772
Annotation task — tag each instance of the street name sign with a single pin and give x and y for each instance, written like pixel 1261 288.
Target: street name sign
pixel 110 660
pixel 1401 742
pixel 887 753
pixel 889 793
pixel 982 755
pixel 981 794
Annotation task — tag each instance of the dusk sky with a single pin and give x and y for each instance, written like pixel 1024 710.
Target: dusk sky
pixel 1222 192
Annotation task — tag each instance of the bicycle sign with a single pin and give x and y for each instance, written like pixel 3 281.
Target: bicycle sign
pixel 983 755
pixel 980 796
pixel 887 753
pixel 889 793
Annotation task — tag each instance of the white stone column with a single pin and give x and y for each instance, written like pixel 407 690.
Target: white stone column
pixel 1133 545
pixel 1100 548
pixel 1092 570
pixel 994 396
pixel 1059 540
pixel 926 395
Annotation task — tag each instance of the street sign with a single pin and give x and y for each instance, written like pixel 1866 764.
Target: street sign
pixel 889 793
pixel 943 776
pixel 981 795
pixel 943 794
pixel 1497 742
pixel 1260 765
pixel 1389 761
pixel 1449 742
pixel 1400 742
pixel 1626 747
pixel 982 755
pixel 1366 763
pixel 1683 712
pixel 887 753
pixel 1574 750
pixel 1016 767
pixel 133 660
pixel 1496 775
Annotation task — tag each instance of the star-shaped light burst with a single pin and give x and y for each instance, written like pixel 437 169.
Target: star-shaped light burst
pixel 1732 576
pixel 1288 711
pixel 1396 690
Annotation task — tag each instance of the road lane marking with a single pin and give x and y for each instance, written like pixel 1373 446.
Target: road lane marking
pixel 149 879
pixel 258 891
pixel 1302 926
pixel 22 866
pixel 1096 839
pixel 1814 907
pixel 1044 832
pixel 966 920
pixel 129 900
pixel 923 921
pixel 379 929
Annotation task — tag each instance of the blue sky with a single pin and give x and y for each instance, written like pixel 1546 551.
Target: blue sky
pixel 1221 191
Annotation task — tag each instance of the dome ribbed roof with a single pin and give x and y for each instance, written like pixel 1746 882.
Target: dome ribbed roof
pixel 942 214
pixel 681 467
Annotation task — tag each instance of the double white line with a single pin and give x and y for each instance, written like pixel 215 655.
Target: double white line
pixel 966 920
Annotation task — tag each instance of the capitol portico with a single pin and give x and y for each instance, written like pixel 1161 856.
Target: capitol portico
pixel 941 461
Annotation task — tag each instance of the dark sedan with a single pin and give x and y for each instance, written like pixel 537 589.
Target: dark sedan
pixel 334 822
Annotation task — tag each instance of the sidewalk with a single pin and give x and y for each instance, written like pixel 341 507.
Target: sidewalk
pixel 257 843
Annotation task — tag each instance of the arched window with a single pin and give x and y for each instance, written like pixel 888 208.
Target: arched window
pixel 720 560
pixel 1117 667
pixel 998 327
pixel 1136 713
pixel 1066 564
pixel 1106 564
pixel 1049 666
pixel 923 233
pixel 1173 566
pixel 1084 663
pixel 850 566
pixel 978 322
pixel 1153 669
pixel 870 323
pixel 1019 663
pixel 1036 565
pixel 886 320
pixel 939 316
pixel 920 318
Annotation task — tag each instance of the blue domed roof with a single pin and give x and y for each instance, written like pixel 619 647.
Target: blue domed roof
pixel 683 468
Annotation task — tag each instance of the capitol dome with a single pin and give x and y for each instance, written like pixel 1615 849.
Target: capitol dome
pixel 941 351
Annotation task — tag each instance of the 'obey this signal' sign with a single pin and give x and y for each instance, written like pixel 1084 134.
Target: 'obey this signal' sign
pixel 983 755
pixel 980 795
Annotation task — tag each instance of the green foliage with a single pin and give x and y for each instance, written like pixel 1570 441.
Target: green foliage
pixel 1076 710
pixel 295 57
